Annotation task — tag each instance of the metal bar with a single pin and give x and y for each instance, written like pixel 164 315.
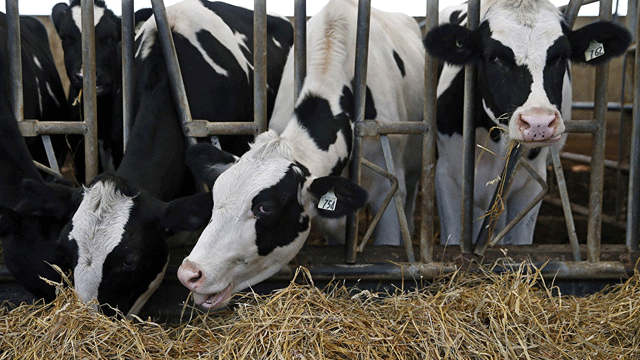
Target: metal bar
pixel 427 221
pixel 402 217
pixel 204 128
pixel 469 140
pixel 127 70
pixel 173 67
pixel 89 91
pixel 532 204
pixel 385 203
pixel 260 65
pixel 584 211
pixel 586 159
pixel 611 106
pixel 504 184
pixel 621 137
pixel 633 207
pixel 596 183
pixel 300 46
pixel 51 156
pixel 581 126
pixel 48 170
pixel 375 128
pixel 566 205
pixel 15 59
pixel 571 12
pixel 359 92
pixel 36 127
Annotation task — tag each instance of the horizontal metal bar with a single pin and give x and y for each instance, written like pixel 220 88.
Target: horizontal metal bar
pixel 204 128
pixel 375 128
pixel 36 127
pixel 587 160
pixel 589 105
pixel 581 126
pixel 583 210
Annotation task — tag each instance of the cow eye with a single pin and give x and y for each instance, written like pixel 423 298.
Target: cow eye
pixel 130 261
pixel 500 61
pixel 264 209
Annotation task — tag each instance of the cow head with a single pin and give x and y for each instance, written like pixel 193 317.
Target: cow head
pixel 116 241
pixel 30 234
pixel 67 21
pixel 263 205
pixel 522 49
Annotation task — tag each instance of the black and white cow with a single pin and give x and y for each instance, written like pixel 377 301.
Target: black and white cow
pixel 28 233
pixel 68 23
pixel 116 239
pixel 43 94
pixel 522 49
pixel 264 202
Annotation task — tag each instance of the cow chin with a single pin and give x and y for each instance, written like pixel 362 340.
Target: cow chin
pixel 214 300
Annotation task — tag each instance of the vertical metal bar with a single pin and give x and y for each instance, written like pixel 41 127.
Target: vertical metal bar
pixel 89 90
pixel 260 65
pixel 469 139
pixel 622 136
pixel 127 70
pixel 597 159
pixel 633 208
pixel 14 49
pixel 566 205
pixel 173 67
pixel 359 92
pixel 300 46
pixel 429 144
pixel 571 12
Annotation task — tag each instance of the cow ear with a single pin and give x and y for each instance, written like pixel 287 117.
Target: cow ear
pixel 207 162
pixel 602 39
pixel 55 199
pixel 189 213
pixel 454 44
pixel 335 196
pixel 9 221
pixel 141 16
pixel 57 14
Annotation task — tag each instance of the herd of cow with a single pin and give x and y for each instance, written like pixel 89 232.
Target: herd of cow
pixel 112 234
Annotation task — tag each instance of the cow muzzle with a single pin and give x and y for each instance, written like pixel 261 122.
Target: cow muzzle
pixel 194 280
pixel 539 126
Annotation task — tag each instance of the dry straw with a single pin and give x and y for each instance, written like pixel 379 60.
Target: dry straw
pixel 461 316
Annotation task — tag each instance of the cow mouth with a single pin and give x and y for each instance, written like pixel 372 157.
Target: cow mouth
pixel 213 300
pixel 545 142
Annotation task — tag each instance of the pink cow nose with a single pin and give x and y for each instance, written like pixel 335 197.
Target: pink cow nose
pixel 538 127
pixel 190 276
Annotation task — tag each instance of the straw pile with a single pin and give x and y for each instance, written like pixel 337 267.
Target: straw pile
pixel 463 316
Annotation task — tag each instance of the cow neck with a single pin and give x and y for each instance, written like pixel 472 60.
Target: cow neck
pixel 154 157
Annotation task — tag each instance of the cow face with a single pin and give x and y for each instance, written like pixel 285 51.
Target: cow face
pixel 263 204
pixel 522 50
pixel 67 21
pixel 116 241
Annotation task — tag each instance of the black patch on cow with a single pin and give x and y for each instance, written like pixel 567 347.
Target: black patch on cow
pixel 278 213
pixel 337 169
pixel 122 186
pixel 555 68
pixel 347 103
pixel 457 17
pixel 533 153
pixel 502 83
pixel 399 62
pixel 449 108
pixel 314 114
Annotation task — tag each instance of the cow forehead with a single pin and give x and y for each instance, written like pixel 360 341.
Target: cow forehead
pixel 76 14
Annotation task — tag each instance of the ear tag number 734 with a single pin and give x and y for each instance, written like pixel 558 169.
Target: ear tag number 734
pixel 328 201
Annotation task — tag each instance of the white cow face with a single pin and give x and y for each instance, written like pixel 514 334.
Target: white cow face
pixel 522 49
pixel 261 215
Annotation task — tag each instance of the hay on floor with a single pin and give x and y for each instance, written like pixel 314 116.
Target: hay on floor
pixel 461 316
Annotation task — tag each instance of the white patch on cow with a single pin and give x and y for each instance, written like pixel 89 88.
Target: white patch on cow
pixel 97 228
pixel 39 95
pixel 153 286
pixel 37 62
pixel 199 18
pixel 276 42
pixel 53 96
pixel 76 14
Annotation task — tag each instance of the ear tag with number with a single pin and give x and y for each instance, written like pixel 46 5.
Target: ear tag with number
pixel 328 201
pixel 594 50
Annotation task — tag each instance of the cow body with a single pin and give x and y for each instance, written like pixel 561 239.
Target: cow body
pixel 522 49
pixel 117 238
pixel 264 202
pixel 28 235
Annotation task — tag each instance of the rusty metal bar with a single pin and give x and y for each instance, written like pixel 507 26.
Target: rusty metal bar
pixel 359 92
pixel 300 46
pixel 596 182
pixel 173 67
pixel 566 205
pixel 15 59
pixel 427 221
pixel 469 140
pixel 36 127
pixel 127 69
pixel 204 128
pixel 260 65
pixel 89 97
pixel 633 207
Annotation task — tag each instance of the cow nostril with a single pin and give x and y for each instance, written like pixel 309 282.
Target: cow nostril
pixel 524 124
pixel 196 278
